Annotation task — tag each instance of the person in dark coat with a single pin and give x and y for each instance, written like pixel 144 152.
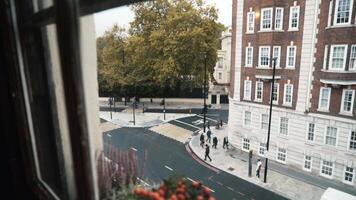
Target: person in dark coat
pixel 202 139
pixel 215 142
pixel 207 151
pixel 226 143
pixel 208 134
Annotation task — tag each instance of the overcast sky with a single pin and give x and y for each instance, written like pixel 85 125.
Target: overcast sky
pixel 123 16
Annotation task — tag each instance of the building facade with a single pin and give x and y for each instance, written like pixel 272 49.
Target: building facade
pixel 219 86
pixel 313 124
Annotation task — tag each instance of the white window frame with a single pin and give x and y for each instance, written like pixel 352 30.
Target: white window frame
pixel 281 19
pixel 277 95
pixel 336 138
pixel 331 58
pixel 261 122
pixel 220 75
pixel 342 111
pixel 294 57
pixel 253 22
pixel 221 61
pixel 332 169
pixel 285 155
pixel 262 147
pixel 256 91
pixel 349 141
pixel 246 57
pixel 285 95
pixel 311 163
pixel 261 19
pixel 326 49
pixel 320 98
pixel 247 97
pixel 330 13
pixel 259 57
pixel 243 144
pixel 352 66
pixel 335 13
pixel 280 126
pixel 278 48
pixel 353 176
pixel 308 131
pixel 246 111
pixel 290 18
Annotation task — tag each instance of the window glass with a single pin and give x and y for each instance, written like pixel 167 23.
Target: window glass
pixel 277 54
pixel 264 57
pixel 279 19
pixel 294 17
pixel 249 56
pixel 347 102
pixel 311 132
pixel 331 136
pixel 343 12
pixel 352 144
pixel 349 174
pixel 262 149
pixel 266 19
pixel 327 168
pixel 291 56
pixel 283 128
pixel 275 92
pixel 247 91
pixel 247 119
pixel 264 121
pixel 250 22
pixel 246 144
pixel 324 99
pixel 307 162
pixel 352 65
pixel 288 92
pixel 281 155
pixel 337 57
pixel 259 91
pixel 220 63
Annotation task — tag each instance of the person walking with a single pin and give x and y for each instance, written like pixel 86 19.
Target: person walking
pixel 258 168
pixel 226 143
pixel 208 125
pixel 207 151
pixel 215 142
pixel 202 139
pixel 208 134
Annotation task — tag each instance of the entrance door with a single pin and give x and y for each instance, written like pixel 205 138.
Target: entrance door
pixel 213 99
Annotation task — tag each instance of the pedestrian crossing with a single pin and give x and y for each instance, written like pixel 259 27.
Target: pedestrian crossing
pixel 172 131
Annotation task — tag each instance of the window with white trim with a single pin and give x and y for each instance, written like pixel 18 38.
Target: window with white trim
pixel 262 149
pixel 247 90
pixel 220 62
pixel 220 75
pixel 266 18
pixel 278 21
pixel 250 22
pixel 331 136
pixel 352 140
pixel 263 58
pixel 327 168
pixel 343 11
pixel 246 144
pixel 291 56
pixel 347 104
pixel 311 132
pixel 288 94
pixel 249 56
pixel 307 163
pixel 331 3
pixel 349 174
pixel 283 126
pixel 337 57
pixel 324 99
pixel 259 91
pixel 326 48
pixel 247 118
pixel 277 54
pixel 264 121
pixel 294 18
pixel 352 65
pixel 281 155
pixel 275 93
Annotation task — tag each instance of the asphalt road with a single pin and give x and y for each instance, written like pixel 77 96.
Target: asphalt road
pixel 166 157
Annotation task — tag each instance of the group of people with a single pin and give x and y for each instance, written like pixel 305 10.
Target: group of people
pixel 205 143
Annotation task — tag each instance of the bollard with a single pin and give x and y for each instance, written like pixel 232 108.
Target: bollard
pixel 250 163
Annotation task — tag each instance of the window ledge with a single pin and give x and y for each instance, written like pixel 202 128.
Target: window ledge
pixel 341 26
pixel 282 162
pixel 263 67
pixel 287 105
pixel 246 99
pixel 350 153
pixel 350 114
pixel 293 30
pixel 310 143
pixel 247 66
pixel 283 136
pixel 258 100
pixel 250 33
pixel 322 110
pixel 348 183
pixel 307 170
pixel 265 31
pixel 338 71
pixel 326 176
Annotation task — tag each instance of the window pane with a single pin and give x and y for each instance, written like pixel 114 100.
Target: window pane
pixel 331 135
pixel 311 130
pixel 337 61
pixel 347 101
pixel 353 58
pixel 266 19
pixel 264 121
pixel 343 11
pixel 352 145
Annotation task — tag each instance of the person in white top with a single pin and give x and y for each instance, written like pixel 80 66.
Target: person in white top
pixel 258 168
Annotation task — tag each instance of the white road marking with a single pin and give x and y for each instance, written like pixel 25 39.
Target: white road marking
pixel 203 186
pixel 191 179
pixel 208 118
pixel 197 122
pixel 209 189
pixel 133 149
pixel 187 124
pixel 143 182
pixel 230 188
pixel 168 168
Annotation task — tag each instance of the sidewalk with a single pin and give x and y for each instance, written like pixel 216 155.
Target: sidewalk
pixel 290 183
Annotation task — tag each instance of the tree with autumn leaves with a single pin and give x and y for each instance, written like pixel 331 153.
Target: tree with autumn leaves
pixel 165 44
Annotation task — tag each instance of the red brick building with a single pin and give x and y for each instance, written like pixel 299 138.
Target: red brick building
pixel 314 114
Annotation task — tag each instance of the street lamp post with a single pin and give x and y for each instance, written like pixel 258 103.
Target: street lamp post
pixel 270 117
pixel 204 93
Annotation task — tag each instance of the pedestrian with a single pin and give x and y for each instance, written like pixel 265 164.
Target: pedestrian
pixel 208 125
pixel 207 151
pixel 202 138
pixel 226 143
pixel 221 123
pixel 208 134
pixel 258 168
pixel 215 142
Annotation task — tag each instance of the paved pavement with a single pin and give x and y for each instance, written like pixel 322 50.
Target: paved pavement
pixel 164 157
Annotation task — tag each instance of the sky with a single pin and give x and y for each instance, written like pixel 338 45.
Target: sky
pixel 123 16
